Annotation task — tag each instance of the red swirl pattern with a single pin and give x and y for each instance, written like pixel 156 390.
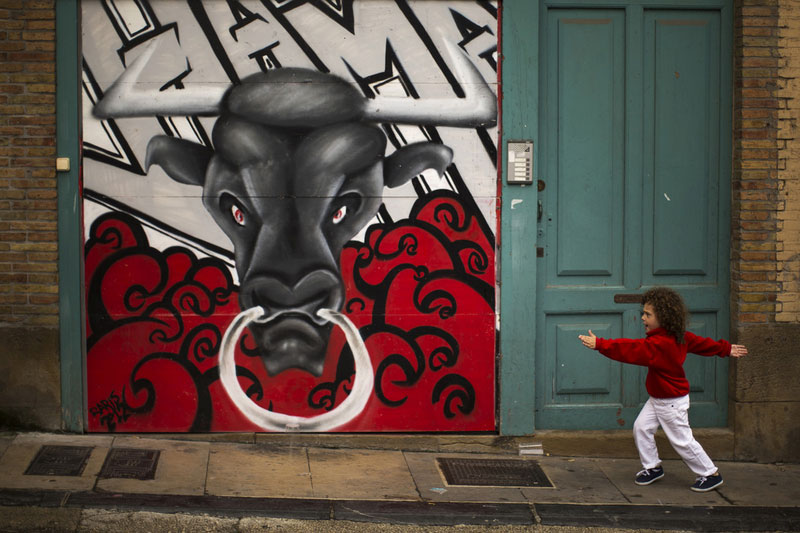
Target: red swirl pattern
pixel 421 291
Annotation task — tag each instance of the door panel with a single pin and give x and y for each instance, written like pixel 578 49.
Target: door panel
pixel 590 145
pixel 583 387
pixel 681 116
pixel 699 370
pixel 631 135
pixel 578 379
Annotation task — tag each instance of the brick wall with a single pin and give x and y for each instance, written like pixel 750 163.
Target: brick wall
pixel 28 250
pixel 754 276
pixel 788 215
pixel 29 360
pixel 766 186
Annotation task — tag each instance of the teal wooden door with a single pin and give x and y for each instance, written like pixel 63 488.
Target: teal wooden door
pixel 635 147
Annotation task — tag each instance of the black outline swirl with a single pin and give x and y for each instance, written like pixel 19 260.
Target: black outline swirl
pixel 464 392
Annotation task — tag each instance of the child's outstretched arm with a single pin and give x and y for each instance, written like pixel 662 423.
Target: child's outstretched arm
pixel 708 346
pixel 635 351
pixel 738 350
pixel 590 340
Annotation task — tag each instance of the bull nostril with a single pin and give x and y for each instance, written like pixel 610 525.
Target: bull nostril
pixel 317 290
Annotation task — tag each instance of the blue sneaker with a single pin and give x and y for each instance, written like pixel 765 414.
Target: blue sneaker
pixel 707 483
pixel 648 475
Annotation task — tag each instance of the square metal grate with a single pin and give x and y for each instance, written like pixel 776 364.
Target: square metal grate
pixel 54 460
pixel 130 463
pixel 493 472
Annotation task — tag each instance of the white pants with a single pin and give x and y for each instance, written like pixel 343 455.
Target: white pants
pixel 672 414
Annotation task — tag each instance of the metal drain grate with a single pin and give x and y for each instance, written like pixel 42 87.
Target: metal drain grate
pixel 493 472
pixel 59 461
pixel 130 463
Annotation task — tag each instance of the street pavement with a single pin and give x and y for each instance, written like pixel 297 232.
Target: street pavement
pixel 262 485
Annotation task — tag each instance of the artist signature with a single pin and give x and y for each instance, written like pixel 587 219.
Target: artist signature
pixel 112 411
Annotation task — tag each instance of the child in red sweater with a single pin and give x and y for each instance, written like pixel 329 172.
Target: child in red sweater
pixel 663 352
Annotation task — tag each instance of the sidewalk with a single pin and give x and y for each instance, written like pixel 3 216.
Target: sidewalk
pixel 232 481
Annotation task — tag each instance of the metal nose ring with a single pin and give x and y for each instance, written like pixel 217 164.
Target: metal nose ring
pixel 270 420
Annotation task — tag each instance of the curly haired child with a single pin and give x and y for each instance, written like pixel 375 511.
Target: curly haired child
pixel 663 352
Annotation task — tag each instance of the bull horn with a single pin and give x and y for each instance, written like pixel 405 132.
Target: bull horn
pixel 126 98
pixel 478 108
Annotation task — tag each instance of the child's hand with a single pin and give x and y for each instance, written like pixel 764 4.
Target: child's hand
pixel 590 340
pixel 738 350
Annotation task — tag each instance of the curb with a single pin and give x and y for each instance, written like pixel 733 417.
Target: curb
pixel 691 518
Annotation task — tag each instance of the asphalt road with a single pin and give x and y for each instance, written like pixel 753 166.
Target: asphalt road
pixel 63 520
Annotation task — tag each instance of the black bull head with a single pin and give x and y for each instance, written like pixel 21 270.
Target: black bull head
pixel 297 169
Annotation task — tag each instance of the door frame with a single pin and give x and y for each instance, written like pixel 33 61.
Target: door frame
pixel 519 120
pixel 70 243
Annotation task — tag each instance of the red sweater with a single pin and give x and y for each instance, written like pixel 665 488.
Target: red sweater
pixel 663 357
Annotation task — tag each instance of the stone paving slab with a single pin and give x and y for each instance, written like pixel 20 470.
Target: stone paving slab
pixel 181 468
pixel 672 489
pixel 432 487
pixel 23 449
pixel 5 442
pixel 256 471
pixel 361 474
pixel 760 484
pixel 577 480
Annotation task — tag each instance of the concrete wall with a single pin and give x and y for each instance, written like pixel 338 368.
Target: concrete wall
pixel 30 378
pixel 766 394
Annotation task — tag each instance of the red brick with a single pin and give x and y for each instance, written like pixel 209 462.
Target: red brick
pixel 35 141
pixel 12 46
pixel 41 236
pixel 43 172
pixel 35 267
pixel 34 183
pixel 42 256
pixel 37 121
pixel 41 46
pixel 43 299
pixel 13 298
pixel 40 25
pixel 30 56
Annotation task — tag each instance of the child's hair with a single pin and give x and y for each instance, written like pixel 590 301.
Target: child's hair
pixel 670 310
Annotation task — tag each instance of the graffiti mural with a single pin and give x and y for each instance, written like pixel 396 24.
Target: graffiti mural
pixel 289 209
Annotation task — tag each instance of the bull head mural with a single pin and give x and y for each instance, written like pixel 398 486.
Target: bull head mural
pixel 297 168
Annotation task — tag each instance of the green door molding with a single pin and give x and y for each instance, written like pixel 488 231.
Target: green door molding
pixel 519 121
pixel 68 120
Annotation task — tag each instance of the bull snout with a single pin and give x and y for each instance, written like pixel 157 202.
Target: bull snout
pixel 296 337
pixel 317 290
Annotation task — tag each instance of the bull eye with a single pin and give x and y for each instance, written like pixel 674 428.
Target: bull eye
pixel 339 215
pixel 238 214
